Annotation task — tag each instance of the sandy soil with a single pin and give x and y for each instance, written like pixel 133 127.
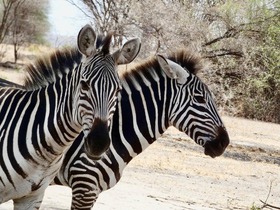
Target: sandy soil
pixel 173 173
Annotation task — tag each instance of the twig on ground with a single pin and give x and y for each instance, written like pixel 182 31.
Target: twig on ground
pixel 268 205
pixel 265 204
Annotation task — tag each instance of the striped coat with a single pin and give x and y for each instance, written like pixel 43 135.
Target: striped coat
pixel 38 124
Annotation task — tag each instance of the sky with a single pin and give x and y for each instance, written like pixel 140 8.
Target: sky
pixel 66 20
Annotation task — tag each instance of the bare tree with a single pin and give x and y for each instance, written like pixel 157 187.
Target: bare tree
pixel 17 28
pixel 238 37
pixel 28 23
pixel 108 15
pixel 7 8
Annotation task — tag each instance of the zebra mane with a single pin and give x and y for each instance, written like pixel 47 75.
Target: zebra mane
pixel 104 42
pixel 48 69
pixel 186 58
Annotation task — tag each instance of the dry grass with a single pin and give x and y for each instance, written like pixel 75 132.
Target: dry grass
pixel 26 55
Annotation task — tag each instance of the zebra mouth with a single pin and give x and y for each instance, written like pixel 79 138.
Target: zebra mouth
pixel 89 153
pixel 216 147
pixel 97 141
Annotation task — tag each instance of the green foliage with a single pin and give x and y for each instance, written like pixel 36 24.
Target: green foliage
pixel 240 38
pixel 250 84
pixel 33 21
pixel 263 90
pixel 254 207
pixel 41 21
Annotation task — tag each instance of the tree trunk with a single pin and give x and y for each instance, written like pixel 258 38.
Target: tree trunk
pixel 15 53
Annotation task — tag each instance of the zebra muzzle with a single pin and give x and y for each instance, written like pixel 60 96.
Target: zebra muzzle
pixel 97 141
pixel 217 146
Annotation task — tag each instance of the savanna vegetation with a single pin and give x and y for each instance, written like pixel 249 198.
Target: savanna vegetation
pixel 239 39
pixel 22 22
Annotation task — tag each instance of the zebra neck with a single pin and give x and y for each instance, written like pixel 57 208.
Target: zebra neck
pixel 141 115
pixel 61 125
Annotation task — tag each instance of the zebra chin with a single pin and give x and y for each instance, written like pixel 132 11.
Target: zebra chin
pixel 97 141
pixel 217 146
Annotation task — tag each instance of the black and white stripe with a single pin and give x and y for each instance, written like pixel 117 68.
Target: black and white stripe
pixel 64 96
pixel 156 94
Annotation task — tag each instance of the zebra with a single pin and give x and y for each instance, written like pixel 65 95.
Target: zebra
pixel 156 94
pixel 39 122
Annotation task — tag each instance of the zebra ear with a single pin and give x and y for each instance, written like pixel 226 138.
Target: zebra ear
pixel 86 40
pixel 128 52
pixel 173 70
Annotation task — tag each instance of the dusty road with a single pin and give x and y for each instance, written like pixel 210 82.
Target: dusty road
pixel 174 174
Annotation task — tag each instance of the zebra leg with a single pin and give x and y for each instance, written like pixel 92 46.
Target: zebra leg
pixel 83 199
pixel 28 202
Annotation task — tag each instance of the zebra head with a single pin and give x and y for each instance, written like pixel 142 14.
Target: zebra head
pixel 98 87
pixel 193 109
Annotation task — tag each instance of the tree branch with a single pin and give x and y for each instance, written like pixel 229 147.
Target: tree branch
pixel 222 52
pixel 268 205
pixel 78 7
pixel 235 30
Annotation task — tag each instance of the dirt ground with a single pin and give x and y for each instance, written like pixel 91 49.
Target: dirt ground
pixel 174 174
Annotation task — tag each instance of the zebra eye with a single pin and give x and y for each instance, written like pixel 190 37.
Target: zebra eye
pixel 200 99
pixel 85 85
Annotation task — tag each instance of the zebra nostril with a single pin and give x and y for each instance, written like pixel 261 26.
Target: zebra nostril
pixel 223 137
pixel 97 140
pixel 217 146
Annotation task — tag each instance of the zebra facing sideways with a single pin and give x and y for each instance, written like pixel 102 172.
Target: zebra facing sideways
pixel 158 93
pixel 39 123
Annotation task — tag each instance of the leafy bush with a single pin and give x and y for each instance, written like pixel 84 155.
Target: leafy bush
pixel 262 98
